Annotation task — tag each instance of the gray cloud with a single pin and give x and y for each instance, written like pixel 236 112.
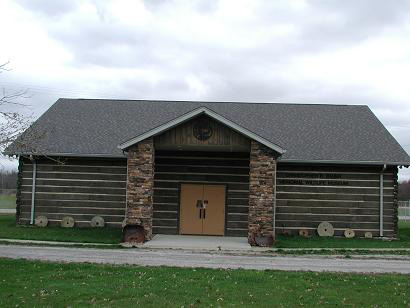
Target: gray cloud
pixel 201 50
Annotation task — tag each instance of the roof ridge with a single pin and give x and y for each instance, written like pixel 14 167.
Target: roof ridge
pixel 215 102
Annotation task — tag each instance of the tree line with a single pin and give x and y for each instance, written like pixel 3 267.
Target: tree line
pixel 404 190
pixel 8 180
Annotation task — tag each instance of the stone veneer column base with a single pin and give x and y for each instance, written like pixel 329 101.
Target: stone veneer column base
pixel 261 194
pixel 140 186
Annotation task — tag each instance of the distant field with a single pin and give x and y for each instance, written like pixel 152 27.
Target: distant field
pixel 7 201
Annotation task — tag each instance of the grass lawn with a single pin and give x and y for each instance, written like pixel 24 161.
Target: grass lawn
pixel 283 241
pixel 8 229
pixel 7 201
pixel 30 283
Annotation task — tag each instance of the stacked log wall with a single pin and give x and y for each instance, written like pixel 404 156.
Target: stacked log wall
pixel 346 196
pixel 77 187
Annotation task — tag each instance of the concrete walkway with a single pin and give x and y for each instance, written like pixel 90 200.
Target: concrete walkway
pixel 194 242
pixel 180 258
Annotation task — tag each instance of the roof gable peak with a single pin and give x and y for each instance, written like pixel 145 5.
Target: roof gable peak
pixel 192 114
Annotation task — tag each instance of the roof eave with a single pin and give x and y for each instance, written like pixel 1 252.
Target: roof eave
pixel 347 162
pixel 187 116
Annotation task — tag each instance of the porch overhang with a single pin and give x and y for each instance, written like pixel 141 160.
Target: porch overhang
pixel 194 113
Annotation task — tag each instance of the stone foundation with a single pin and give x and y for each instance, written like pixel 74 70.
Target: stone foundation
pixel 261 193
pixel 140 186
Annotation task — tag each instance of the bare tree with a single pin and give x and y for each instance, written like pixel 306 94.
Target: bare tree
pixel 12 120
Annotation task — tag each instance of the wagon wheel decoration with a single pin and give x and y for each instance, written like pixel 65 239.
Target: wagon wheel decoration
pixel 41 221
pixel 325 229
pixel 67 222
pixel 97 222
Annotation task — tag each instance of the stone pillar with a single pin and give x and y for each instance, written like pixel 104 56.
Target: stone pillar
pixel 262 185
pixel 140 186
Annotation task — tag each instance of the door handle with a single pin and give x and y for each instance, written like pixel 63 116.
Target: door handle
pixel 204 213
pixel 200 213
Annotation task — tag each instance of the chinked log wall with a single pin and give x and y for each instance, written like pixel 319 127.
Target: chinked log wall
pixel 81 188
pixel 346 196
pixel 225 168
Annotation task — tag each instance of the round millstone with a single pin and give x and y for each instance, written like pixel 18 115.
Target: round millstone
pixel 304 232
pixel 368 234
pixel 349 233
pixel 97 222
pixel 325 229
pixel 41 221
pixel 67 222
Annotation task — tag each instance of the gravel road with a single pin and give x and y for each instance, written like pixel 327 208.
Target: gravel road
pixel 180 258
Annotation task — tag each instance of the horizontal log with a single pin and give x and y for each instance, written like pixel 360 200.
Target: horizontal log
pixel 165 215
pixel 336 224
pixel 158 192
pixel 77 183
pixel 237 194
pixel 319 196
pixel 166 207
pixel 165 222
pixel 333 176
pixel 337 190
pixel 164 230
pixel 327 203
pixel 69 196
pixel 75 189
pixel 77 176
pixel 203 161
pixel 78 169
pixel 237 209
pixel 331 210
pixel 237 217
pixel 200 154
pixel 332 217
pixel 202 178
pixel 75 203
pixel 282 166
pixel 75 210
pixel 236 232
pixel 166 199
pixel 237 225
pixel 239 201
pixel 203 169
pixel 80 161
pixel 176 184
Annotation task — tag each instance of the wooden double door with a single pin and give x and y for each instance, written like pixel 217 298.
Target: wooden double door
pixel 202 209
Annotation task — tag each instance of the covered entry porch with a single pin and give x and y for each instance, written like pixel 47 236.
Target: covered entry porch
pixel 203 176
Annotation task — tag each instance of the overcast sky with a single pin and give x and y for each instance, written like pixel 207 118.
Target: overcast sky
pixel 334 52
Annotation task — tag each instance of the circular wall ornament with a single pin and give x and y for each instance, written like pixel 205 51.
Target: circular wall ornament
pixel 325 229
pixel 202 130
pixel 97 222
pixel 67 222
pixel 349 233
pixel 304 232
pixel 41 221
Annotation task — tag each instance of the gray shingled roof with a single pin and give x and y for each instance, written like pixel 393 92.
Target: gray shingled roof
pixel 307 132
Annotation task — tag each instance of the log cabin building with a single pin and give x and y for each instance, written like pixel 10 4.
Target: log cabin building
pixel 205 168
